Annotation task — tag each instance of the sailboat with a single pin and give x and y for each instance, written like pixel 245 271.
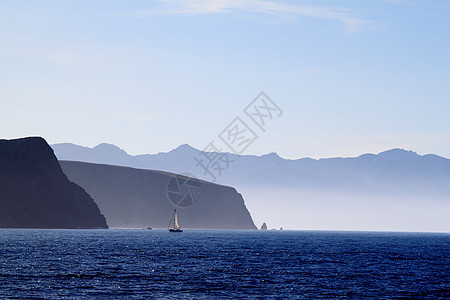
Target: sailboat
pixel 176 226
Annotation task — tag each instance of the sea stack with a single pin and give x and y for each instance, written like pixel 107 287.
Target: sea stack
pixel 264 226
pixel 35 193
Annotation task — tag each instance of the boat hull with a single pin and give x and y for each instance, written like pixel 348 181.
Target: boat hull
pixel 175 230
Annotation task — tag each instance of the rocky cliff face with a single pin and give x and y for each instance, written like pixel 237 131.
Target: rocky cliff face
pixel 136 198
pixel 35 193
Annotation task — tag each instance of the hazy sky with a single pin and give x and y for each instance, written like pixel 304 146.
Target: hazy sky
pixel 350 76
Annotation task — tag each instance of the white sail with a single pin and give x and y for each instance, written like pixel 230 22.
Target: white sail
pixel 176 226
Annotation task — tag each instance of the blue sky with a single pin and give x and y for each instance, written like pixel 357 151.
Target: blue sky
pixel 350 76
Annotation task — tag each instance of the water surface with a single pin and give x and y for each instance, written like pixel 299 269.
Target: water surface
pixel 222 264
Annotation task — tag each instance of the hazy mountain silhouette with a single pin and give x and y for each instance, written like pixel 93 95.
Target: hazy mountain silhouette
pixel 35 193
pixel 136 198
pixel 392 171
pixel 392 190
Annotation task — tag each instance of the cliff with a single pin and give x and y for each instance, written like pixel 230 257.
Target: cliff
pixel 35 193
pixel 136 198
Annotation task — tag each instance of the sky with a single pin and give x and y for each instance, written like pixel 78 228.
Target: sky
pixel 350 77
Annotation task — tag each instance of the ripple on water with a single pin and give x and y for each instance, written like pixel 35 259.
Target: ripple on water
pixel 222 264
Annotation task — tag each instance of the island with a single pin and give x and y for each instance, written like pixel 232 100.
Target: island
pixel 138 198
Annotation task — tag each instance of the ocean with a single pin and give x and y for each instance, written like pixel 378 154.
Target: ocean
pixel 225 264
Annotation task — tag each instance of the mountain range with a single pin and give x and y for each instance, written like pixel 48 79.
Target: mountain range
pixel 392 190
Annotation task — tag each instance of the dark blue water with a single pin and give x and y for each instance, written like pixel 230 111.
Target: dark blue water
pixel 222 264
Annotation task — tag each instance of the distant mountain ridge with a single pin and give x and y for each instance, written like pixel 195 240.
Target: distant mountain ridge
pixel 359 172
pixel 417 185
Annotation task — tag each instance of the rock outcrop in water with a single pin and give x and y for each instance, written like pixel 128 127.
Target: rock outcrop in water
pixel 35 193
pixel 135 198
